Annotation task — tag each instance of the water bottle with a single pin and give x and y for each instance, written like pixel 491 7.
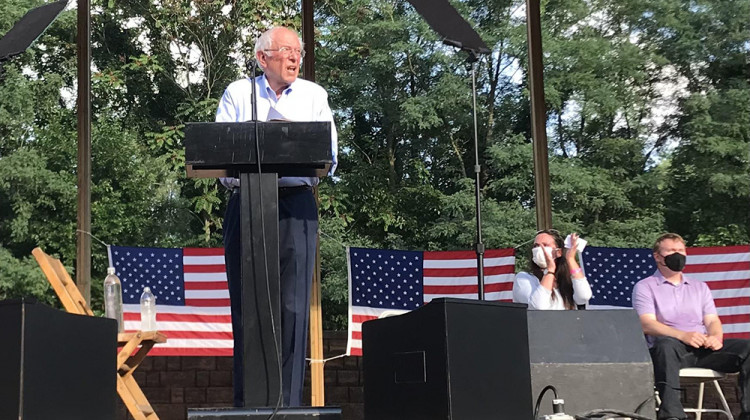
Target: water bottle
pixel 113 298
pixel 148 310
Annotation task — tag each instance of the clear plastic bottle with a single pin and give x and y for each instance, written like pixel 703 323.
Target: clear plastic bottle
pixel 113 298
pixel 148 310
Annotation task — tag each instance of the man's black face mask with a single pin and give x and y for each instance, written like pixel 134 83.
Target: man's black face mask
pixel 675 262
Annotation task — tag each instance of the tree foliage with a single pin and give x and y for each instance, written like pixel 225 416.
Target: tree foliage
pixel 648 123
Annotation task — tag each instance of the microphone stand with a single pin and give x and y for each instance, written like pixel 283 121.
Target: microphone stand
pixel 479 245
pixel 444 19
pixel 471 61
pixel 253 99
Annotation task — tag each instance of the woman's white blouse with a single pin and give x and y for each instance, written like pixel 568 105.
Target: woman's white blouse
pixel 528 290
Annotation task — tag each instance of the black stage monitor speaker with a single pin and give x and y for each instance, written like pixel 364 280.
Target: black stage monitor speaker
pixel 56 365
pixel 286 413
pixel 595 359
pixel 468 360
pixel 451 359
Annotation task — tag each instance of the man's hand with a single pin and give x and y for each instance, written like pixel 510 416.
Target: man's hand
pixel 693 339
pixel 713 343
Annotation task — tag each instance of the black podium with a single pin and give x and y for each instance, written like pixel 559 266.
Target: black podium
pixel 56 365
pixel 283 148
pixel 471 360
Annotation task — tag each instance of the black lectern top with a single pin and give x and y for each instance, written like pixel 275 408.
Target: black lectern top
pixel 287 148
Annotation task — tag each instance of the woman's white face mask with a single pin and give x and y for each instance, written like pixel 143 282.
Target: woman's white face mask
pixel 538 257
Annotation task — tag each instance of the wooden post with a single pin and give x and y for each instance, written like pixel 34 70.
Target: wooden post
pixel 538 115
pixel 83 238
pixel 308 37
pixel 316 317
pixel 317 388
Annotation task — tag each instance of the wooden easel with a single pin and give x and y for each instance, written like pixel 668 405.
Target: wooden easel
pixel 134 346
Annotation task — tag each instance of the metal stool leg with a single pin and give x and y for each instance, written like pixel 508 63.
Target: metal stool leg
pixel 699 412
pixel 724 403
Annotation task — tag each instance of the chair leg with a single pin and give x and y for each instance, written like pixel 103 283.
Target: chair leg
pixel 134 400
pixel 723 401
pixel 699 413
pixel 130 402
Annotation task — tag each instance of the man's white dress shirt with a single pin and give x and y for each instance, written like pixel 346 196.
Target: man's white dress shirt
pixel 301 101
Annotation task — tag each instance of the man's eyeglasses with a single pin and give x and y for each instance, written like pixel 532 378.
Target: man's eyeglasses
pixel 287 51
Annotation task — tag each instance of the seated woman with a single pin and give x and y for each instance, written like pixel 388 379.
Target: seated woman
pixel 555 281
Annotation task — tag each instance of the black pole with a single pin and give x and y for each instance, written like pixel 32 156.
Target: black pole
pixel 478 246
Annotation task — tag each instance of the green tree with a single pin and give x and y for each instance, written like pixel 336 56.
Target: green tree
pixel 709 194
pixel 706 46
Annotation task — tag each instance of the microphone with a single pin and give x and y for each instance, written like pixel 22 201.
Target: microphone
pixel 253 99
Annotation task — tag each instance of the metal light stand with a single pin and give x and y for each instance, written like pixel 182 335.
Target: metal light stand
pixel 457 32
pixel 479 245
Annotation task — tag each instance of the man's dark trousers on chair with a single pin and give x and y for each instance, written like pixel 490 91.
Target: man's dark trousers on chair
pixel 670 355
pixel 298 226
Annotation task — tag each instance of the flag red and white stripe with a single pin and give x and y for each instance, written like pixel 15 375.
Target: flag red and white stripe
pixel 613 272
pixel 441 274
pixel 726 271
pixel 454 274
pixel 203 326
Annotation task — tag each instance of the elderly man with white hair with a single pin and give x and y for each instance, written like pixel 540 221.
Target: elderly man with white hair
pixel 280 94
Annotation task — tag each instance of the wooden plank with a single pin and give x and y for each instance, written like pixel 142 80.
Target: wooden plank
pixel 129 400
pixel 62 284
pixel 127 350
pixel 204 173
pixel 317 379
pixel 141 402
pixel 155 336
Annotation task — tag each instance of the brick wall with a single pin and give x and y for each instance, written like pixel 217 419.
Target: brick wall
pixel 343 377
pixel 172 384
pixel 710 398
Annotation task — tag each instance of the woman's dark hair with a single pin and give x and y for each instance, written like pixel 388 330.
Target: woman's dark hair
pixel 562 270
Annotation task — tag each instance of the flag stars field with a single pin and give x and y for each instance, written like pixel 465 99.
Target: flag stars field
pixel 612 273
pixel 412 284
pixel 192 297
pixel 726 271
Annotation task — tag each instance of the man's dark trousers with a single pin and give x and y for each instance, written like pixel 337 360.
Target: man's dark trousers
pixel 670 355
pixel 298 226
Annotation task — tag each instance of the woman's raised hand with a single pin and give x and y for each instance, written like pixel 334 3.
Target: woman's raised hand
pixel 570 253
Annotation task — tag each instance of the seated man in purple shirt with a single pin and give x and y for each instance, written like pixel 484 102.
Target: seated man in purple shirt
pixel 682 328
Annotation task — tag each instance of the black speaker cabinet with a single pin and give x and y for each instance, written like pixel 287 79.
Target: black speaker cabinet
pixel 286 413
pixel 468 360
pixel 595 359
pixel 56 365
pixel 451 359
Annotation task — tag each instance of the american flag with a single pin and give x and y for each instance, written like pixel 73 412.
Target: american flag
pixel 384 282
pixel 613 272
pixel 192 299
